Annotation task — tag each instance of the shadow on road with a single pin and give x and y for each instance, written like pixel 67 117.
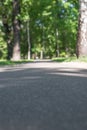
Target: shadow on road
pixel 43 99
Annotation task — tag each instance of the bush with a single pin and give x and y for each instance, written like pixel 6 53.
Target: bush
pixel 62 54
pixel 3 49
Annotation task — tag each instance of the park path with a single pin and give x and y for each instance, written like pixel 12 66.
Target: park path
pixel 43 96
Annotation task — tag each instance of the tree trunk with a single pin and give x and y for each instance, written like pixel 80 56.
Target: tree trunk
pixel 56 30
pixel 42 44
pixel 28 39
pixel 81 49
pixel 16 31
pixel 8 37
pixel 57 45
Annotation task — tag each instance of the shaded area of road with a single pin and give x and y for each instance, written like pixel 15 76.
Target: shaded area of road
pixel 43 98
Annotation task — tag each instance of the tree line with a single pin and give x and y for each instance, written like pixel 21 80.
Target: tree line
pixel 42 28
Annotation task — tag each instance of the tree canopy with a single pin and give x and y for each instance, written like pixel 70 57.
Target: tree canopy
pixel 47 28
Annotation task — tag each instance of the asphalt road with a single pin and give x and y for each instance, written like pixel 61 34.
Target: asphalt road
pixel 43 96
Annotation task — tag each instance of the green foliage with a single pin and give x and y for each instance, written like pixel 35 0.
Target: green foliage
pixel 52 26
pixel 6 62
pixel 70 59
pixel 3 48
pixel 65 59
pixel 63 54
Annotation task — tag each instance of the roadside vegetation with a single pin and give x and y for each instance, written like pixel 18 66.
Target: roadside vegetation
pixel 43 30
pixel 8 62
pixel 70 59
pixel 59 59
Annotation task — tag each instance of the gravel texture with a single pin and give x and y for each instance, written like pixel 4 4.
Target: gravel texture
pixel 43 96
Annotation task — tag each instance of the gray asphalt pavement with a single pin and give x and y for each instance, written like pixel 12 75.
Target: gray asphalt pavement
pixel 43 96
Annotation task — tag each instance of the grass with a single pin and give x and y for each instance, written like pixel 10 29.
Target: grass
pixel 70 59
pixel 8 62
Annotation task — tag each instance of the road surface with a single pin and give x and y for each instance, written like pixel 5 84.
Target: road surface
pixel 43 96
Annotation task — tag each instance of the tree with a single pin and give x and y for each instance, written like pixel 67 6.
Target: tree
pixel 16 30
pixel 7 25
pixel 51 29
pixel 28 40
pixel 82 29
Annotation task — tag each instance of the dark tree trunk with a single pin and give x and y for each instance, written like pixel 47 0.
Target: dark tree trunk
pixel 8 37
pixel 28 39
pixel 56 31
pixel 16 31
pixel 81 49
pixel 57 45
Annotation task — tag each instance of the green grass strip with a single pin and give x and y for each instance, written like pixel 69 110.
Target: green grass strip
pixel 70 59
pixel 7 62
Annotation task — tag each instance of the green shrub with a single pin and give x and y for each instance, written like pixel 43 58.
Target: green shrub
pixel 3 49
pixel 62 54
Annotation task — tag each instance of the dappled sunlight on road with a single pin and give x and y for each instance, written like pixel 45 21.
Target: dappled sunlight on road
pixel 71 72
pixel 20 78
pixel 43 96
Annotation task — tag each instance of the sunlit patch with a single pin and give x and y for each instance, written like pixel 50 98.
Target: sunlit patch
pixel 69 74
pixel 21 78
